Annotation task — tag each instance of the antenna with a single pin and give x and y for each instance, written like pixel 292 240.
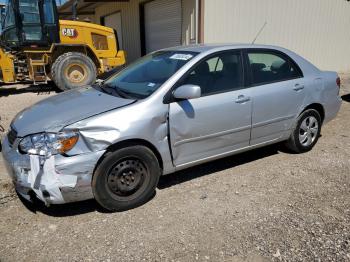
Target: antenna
pixel 257 35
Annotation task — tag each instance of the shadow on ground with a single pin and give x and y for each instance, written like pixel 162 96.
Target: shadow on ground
pixel 66 210
pixel 217 166
pixel 39 89
pixel 346 98
pixel 78 208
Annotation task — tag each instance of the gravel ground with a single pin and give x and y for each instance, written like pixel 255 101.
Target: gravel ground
pixel 264 205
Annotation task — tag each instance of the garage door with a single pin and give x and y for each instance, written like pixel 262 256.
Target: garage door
pixel 162 24
pixel 115 21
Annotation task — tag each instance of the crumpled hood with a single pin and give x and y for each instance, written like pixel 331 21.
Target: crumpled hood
pixel 56 112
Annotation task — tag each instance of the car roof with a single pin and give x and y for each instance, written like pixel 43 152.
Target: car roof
pixel 306 66
pixel 201 48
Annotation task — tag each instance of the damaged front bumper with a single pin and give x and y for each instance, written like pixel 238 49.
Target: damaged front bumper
pixel 55 180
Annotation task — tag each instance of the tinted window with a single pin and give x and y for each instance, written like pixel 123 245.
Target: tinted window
pixel 217 74
pixel 268 67
pixel 10 35
pixel 29 11
pixel 10 17
pixel 30 16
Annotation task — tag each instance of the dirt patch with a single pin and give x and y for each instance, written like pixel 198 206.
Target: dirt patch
pixel 262 205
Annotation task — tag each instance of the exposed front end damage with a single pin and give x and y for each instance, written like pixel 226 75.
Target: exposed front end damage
pixel 54 180
pixel 62 178
pixel 55 176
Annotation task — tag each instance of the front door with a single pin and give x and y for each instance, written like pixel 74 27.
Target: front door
pixel 220 120
pixel 277 94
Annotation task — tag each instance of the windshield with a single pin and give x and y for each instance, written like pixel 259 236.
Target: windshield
pixel 146 75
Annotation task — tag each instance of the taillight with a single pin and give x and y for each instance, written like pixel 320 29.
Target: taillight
pixel 338 82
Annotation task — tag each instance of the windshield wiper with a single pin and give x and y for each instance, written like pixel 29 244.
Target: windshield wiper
pixel 128 93
pixel 115 90
pixel 106 89
pixel 122 93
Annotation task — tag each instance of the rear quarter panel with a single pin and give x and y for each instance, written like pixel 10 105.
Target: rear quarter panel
pixel 321 88
pixel 330 98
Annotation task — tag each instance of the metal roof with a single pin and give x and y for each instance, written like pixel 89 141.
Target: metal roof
pixel 85 7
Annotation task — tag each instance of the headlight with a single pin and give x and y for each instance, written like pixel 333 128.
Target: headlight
pixel 46 144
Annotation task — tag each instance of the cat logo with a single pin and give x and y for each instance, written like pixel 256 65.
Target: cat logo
pixel 70 32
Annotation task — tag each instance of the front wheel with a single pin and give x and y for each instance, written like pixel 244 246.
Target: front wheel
pixel 306 132
pixel 126 178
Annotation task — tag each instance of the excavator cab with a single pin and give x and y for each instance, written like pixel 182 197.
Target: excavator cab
pixel 30 23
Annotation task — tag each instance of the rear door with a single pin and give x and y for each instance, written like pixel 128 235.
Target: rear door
pixel 277 93
pixel 220 120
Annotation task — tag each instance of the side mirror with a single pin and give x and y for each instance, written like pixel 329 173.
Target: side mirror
pixel 187 92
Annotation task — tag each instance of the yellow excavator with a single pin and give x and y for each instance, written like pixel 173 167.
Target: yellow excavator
pixel 36 46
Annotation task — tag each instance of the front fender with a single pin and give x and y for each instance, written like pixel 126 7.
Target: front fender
pixel 138 121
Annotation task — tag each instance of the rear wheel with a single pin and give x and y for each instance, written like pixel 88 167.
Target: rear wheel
pixel 306 132
pixel 126 178
pixel 72 70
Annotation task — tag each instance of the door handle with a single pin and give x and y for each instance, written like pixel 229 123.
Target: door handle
pixel 242 99
pixel 298 87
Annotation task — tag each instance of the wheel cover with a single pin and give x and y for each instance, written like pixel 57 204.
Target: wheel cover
pixel 308 131
pixel 126 177
pixel 76 73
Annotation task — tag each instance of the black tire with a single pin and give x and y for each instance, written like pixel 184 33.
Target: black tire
pixel 294 144
pixel 142 175
pixel 68 63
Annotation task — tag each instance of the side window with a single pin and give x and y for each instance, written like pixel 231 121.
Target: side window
pixel 217 74
pixel 215 64
pixel 10 17
pixel 268 68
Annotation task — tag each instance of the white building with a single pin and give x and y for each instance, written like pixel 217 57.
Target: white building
pixel 319 30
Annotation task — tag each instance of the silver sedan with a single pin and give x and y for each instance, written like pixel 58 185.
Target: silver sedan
pixel 170 110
